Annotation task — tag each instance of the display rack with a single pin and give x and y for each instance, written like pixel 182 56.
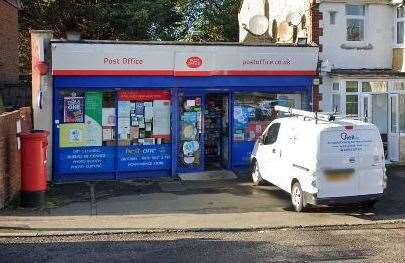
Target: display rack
pixel 213 129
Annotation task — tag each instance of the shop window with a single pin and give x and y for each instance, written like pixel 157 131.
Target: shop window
pixel 352 86
pixel 253 112
pixel 352 105
pixel 355 15
pixel 143 117
pixel 375 86
pixel 272 134
pixel 87 118
pixel 190 131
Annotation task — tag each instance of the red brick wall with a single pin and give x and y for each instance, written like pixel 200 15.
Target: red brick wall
pixel 8 43
pixel 316 32
pixel 10 160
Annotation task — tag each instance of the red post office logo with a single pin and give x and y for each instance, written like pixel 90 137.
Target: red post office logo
pixel 194 62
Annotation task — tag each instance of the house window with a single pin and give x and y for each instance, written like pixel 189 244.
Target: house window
pixel 332 17
pixel 352 105
pixel 400 32
pixel 336 102
pixel 400 25
pixel 355 17
pixel 335 86
pixel 375 86
pixel 352 86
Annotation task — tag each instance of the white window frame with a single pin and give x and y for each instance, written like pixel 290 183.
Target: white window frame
pixel 359 92
pixel 333 14
pixel 357 17
pixel 396 21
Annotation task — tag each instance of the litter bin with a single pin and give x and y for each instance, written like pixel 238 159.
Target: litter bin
pixel 34 175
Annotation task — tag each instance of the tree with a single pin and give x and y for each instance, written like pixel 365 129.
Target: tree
pixel 99 19
pixel 210 20
pixel 214 20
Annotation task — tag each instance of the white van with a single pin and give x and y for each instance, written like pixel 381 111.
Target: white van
pixel 321 160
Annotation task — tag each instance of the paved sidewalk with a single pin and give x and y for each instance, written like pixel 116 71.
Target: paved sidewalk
pixel 175 205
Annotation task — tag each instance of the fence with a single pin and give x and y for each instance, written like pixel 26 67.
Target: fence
pixel 10 160
pixel 15 96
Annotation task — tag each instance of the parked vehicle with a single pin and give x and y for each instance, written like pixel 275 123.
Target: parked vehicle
pixel 320 159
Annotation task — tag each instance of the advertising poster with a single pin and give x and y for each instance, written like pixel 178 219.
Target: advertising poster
pixel 93 118
pixel 72 135
pixel 161 118
pixel 73 110
pixel 108 119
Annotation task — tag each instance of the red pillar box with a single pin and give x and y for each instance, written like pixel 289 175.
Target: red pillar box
pixel 34 147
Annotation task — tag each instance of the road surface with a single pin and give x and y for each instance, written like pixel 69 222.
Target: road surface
pixel 378 243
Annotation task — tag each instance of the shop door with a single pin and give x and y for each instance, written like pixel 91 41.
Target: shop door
pixel 393 131
pixel 191 133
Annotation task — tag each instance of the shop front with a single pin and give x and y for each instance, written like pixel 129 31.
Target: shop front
pixel 134 110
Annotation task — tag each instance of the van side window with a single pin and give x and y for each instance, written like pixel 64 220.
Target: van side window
pixel 272 134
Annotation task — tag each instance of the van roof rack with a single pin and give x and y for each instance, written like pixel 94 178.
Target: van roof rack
pixel 308 114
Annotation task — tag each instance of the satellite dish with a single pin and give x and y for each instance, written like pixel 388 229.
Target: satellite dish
pixel 258 25
pixel 294 19
pixel 285 32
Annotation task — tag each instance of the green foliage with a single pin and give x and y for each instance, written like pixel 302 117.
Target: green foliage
pixel 210 20
pixel 214 20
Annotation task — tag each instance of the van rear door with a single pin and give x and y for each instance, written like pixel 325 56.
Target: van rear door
pixel 347 161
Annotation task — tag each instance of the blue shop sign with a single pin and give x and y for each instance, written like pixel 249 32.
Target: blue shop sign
pixel 86 159
pixel 144 157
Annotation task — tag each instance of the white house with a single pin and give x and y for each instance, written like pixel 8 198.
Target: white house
pixel 361 59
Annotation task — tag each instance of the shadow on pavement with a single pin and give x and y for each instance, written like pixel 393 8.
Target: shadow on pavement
pixel 174 196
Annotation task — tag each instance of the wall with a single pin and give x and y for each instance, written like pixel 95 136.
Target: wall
pixel 10 160
pixel 378 33
pixel 280 9
pixel 42 116
pixel 248 9
pixel 8 43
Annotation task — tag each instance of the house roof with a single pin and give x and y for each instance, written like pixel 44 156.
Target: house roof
pixel 381 72
pixel 16 3
pixel 359 1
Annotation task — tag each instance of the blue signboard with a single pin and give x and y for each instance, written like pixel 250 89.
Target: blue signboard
pixel 86 160
pixel 144 157
pixel 241 152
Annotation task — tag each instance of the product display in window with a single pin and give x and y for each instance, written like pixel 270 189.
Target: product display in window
pixel 73 109
pixel 88 118
pixel 252 113
pixel 190 130
pixel 213 121
pixel 143 117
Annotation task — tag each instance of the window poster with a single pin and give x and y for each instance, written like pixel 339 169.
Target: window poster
pixel 161 117
pixel 72 135
pixel 108 117
pixel 143 117
pixel 73 108
pixel 93 118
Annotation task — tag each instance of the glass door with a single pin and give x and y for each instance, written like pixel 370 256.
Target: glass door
pixel 393 131
pixel 191 133
pixel 366 110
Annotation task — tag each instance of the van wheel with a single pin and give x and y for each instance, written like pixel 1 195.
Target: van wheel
pixel 297 197
pixel 368 204
pixel 256 176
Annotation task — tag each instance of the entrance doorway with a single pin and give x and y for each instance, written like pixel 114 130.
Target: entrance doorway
pixel 216 126
pixel 203 141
